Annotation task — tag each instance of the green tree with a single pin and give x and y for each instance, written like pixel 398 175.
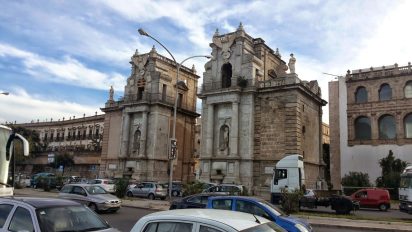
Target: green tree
pixel 355 179
pixel 391 171
pixel 35 143
pixel 66 160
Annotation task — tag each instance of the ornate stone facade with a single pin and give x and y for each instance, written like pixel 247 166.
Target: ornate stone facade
pixel 79 137
pixel 139 126
pixel 254 113
pixel 374 109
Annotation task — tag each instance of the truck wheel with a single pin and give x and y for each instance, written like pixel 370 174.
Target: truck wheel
pixel 383 207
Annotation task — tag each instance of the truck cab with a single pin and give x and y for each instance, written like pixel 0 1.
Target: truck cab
pixel 7 138
pixel 405 191
pixel 288 175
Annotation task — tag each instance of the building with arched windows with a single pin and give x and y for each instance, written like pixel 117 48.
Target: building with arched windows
pixel 374 109
pixel 255 111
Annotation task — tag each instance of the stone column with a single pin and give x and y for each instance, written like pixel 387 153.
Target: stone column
pixel 234 130
pixel 125 135
pixel 144 134
pixel 209 130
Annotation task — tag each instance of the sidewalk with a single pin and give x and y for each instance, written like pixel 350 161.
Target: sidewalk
pixel 325 222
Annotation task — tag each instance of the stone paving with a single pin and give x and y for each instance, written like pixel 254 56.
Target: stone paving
pixel 363 225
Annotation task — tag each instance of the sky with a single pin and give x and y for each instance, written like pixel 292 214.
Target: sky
pixel 59 58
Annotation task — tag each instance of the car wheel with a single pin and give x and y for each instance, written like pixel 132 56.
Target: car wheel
pixel 129 194
pixel 383 207
pixel 175 193
pixel 151 196
pixel 93 207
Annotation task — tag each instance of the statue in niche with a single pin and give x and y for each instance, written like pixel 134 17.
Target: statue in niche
pixel 291 63
pixel 111 93
pixel 224 138
pixel 136 141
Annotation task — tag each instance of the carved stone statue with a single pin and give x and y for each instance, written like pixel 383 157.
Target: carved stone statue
pixel 291 63
pixel 136 142
pixel 224 138
pixel 111 93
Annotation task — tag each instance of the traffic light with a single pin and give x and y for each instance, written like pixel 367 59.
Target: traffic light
pixel 173 149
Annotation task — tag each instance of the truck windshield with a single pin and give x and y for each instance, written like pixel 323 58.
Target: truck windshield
pixel 406 182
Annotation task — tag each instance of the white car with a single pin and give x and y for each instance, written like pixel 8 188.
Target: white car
pixel 204 220
pixel 106 184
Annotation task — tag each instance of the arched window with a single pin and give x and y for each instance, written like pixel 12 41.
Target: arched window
pixel 385 92
pixel 362 128
pixel 361 95
pixel 387 127
pixel 226 75
pixel 408 89
pixel 408 125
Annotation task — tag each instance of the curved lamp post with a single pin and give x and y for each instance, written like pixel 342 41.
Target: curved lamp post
pixel 178 66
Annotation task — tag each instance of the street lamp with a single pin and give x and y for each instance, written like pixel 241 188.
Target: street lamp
pixel 5 93
pixel 173 144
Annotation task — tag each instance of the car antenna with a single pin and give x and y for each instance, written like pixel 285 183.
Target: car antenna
pixel 257 220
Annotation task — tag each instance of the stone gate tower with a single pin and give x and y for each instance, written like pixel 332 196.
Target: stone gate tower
pixel 138 126
pixel 255 112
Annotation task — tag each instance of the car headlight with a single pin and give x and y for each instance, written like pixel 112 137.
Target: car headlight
pixel 301 227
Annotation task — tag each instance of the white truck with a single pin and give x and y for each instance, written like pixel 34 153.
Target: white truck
pixel 7 138
pixel 289 174
pixel 405 190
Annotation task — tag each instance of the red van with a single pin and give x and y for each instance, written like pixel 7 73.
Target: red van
pixel 373 198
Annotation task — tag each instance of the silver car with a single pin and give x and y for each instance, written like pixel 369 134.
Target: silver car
pixel 48 214
pixel 93 196
pixel 150 190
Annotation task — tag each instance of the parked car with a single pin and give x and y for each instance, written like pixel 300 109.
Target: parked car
pixel 107 184
pixel 373 198
pixel 151 190
pixel 39 179
pixel 259 207
pixel 48 214
pixel 204 220
pixel 93 196
pixel 23 180
pixel 177 188
pixel 194 201
pixel 231 189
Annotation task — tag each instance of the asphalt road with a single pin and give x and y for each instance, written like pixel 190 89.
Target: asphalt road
pixel 126 217
pixel 366 213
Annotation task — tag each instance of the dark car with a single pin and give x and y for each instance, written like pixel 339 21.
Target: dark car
pixel 48 214
pixel 177 188
pixel 194 201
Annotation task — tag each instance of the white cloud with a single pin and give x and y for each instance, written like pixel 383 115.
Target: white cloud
pixel 21 107
pixel 68 71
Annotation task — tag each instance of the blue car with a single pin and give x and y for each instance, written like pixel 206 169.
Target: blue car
pixel 261 208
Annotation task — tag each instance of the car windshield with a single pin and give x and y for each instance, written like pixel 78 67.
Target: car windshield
pixel 93 190
pixel 275 210
pixel 69 218
pixel 266 227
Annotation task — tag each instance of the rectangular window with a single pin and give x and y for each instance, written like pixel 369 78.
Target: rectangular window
pixel 164 92
pixel 179 100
